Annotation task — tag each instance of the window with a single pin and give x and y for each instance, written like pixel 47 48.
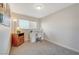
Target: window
pixel 25 24
pixel 32 25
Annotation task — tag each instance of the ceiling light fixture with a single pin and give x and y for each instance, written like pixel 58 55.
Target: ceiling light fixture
pixel 39 6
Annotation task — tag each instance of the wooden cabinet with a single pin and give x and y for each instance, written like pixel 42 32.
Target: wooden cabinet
pixel 17 39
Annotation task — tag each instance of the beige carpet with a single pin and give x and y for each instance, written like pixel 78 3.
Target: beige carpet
pixel 41 48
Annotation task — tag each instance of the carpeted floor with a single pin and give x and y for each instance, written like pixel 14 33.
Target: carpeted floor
pixel 41 48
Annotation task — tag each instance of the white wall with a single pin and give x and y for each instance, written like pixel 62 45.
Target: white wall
pixel 62 27
pixel 4 40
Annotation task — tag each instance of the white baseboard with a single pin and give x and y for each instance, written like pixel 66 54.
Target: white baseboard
pixel 64 46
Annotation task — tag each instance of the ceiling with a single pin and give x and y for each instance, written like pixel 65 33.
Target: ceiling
pixel 30 10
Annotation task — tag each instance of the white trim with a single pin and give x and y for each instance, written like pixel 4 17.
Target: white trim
pixel 65 46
